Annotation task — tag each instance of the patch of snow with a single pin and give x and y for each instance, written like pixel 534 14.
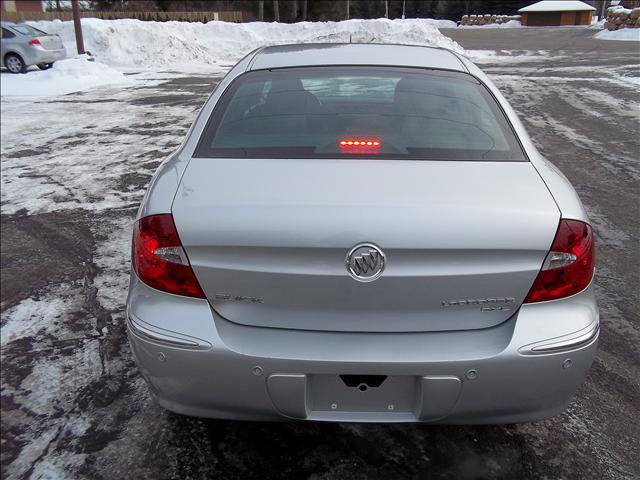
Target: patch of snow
pixel 631 80
pixel 609 103
pixel 66 76
pixel 618 9
pixel 32 317
pixel 57 466
pixel 572 135
pixel 623 34
pixel 52 385
pixel 135 44
pixel 614 80
pixel 35 449
pixel 507 56
pixel 509 24
pixel 112 259
pixel 49 393
pixel 441 23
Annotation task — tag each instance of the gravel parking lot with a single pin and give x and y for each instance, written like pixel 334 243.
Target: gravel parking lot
pixel 74 169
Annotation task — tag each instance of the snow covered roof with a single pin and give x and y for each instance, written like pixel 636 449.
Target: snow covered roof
pixel 557 6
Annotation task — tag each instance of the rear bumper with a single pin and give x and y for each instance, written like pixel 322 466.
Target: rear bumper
pixel 525 369
pixel 36 55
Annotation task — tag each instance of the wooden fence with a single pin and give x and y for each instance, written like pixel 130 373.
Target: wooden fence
pixel 229 16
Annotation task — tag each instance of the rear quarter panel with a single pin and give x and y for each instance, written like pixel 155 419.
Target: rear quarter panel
pixel 559 186
pixel 164 183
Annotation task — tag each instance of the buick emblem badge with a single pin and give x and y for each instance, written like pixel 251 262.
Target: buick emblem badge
pixel 365 262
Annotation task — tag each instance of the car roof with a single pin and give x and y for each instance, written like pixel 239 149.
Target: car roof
pixel 316 54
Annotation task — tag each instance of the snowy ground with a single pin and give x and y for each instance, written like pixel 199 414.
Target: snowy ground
pixel 74 168
pixel 624 34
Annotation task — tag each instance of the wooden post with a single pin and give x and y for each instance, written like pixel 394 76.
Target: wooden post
pixel 77 26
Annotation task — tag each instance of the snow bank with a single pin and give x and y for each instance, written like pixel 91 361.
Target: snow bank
pixel 134 44
pixel 626 34
pixel 509 24
pixel 66 76
pixel 441 23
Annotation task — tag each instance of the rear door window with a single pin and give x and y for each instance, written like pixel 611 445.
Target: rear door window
pixel 28 30
pixel 355 112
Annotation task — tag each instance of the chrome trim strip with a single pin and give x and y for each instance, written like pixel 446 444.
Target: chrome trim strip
pixel 570 343
pixel 566 342
pixel 148 333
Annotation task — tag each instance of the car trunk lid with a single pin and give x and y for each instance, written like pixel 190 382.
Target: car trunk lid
pixel 267 240
pixel 50 42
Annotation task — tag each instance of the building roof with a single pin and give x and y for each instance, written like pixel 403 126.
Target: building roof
pixel 557 6
pixel 310 54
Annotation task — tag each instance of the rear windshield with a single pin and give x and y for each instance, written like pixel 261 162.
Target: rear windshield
pixel 28 30
pixel 354 112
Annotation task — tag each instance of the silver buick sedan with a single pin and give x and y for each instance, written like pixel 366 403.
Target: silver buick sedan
pixel 23 45
pixel 361 233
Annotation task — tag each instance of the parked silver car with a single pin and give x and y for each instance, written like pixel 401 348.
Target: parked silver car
pixel 23 45
pixel 361 233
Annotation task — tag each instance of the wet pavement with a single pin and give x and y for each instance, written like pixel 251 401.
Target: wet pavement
pixel 73 405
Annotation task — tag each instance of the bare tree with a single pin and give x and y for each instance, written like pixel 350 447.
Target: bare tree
pixel 304 10
pixel 467 6
pixel 261 10
pixel 294 10
pixel 276 11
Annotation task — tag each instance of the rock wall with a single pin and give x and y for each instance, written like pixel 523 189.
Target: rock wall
pixel 618 17
pixel 487 19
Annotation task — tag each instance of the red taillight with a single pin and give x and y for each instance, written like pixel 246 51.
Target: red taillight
pixel 159 259
pixel 34 41
pixel 568 267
